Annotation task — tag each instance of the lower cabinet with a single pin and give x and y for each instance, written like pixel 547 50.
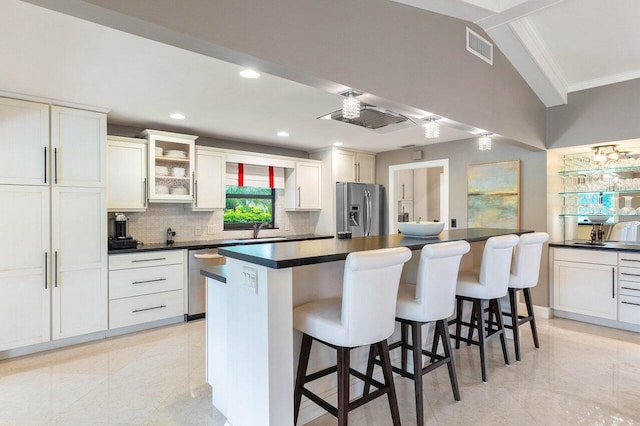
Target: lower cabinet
pixel 629 279
pixel 145 287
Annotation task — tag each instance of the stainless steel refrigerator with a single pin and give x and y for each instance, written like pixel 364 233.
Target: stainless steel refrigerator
pixel 360 208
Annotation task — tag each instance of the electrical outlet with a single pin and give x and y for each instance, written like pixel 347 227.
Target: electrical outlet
pixel 211 229
pixel 197 230
pixel 250 279
pixel 454 223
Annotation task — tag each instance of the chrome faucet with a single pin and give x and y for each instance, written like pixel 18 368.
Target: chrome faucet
pixel 257 226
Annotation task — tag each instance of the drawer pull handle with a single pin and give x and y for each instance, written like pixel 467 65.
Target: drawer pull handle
pixel 631 260
pixel 149 309
pixel 632 275
pixel 149 281
pixel 630 303
pixel 629 288
pixel 149 260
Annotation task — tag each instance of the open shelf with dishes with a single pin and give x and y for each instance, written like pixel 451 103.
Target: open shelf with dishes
pixel 171 166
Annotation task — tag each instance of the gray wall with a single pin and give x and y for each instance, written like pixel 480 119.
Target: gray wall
pixel 603 114
pixel 402 54
pixel 533 186
pixel 134 131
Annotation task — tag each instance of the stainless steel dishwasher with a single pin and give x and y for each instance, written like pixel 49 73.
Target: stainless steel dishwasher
pixel 199 259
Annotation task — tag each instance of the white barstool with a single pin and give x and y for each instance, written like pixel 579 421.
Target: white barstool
pixel 364 316
pixel 485 288
pixel 432 298
pixel 624 231
pixel 525 271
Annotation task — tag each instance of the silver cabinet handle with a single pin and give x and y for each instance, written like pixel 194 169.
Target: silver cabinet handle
pixel 46 268
pixel 299 196
pixel 193 181
pixel 55 269
pixel 144 192
pixel 148 260
pixel 632 275
pixel 355 171
pixel 613 283
pixel 55 165
pixel 148 281
pixel 629 288
pixel 45 164
pixel 148 309
pixel 195 191
pixel 403 191
pixel 631 260
pixel 359 177
pixel 630 303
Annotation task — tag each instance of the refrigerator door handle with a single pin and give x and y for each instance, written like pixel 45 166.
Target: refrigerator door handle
pixel 367 220
pixel 346 208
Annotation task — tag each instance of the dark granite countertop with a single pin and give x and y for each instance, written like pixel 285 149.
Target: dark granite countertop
pixel 179 245
pixel 607 245
pixel 218 273
pixel 290 254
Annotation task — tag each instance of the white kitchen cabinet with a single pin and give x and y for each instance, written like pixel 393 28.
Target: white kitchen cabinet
pixel 126 174
pixel 78 142
pixel 209 185
pixel 79 247
pixel 24 271
pixel 146 287
pixel 352 166
pixel 303 186
pixel 24 142
pixel 629 288
pixel 585 282
pixel 171 166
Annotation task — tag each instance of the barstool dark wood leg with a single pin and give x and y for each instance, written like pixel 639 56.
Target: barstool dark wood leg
pixel 500 325
pixel 434 346
pixel 443 330
pixel 513 304
pixel 534 330
pixel 343 386
pixel 305 350
pixel 388 379
pixel 416 336
pixel 472 322
pixel 458 321
pixel 403 349
pixel 482 343
pixel 370 366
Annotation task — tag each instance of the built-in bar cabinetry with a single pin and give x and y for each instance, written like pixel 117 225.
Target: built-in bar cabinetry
pixel 53 264
pixel 146 287
pixel 598 285
pixel 127 182
pixel 171 166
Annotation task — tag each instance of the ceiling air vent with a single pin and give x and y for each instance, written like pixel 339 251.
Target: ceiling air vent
pixel 479 46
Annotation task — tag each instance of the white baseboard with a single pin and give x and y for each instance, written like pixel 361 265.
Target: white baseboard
pixel 538 311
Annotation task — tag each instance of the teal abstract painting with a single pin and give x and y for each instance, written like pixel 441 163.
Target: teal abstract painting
pixel 493 195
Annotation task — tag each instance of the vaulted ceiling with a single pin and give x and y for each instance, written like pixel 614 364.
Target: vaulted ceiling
pixel 559 46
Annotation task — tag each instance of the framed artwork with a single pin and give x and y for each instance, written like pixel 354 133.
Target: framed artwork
pixel 493 195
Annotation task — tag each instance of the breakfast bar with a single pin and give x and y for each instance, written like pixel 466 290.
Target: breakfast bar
pixel 252 349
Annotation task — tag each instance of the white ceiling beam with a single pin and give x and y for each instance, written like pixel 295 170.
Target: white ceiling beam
pixel 454 8
pixel 517 12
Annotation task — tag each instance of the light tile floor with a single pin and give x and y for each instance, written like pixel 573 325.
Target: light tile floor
pixel 582 374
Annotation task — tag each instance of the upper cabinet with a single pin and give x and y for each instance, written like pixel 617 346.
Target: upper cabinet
pixel 127 187
pixel 303 186
pixel 24 142
pixel 78 142
pixel 209 185
pixel 352 166
pixel 171 166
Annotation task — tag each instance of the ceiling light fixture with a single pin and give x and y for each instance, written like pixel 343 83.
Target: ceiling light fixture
pixel 432 127
pixel 177 116
pixel 484 142
pixel 351 106
pixel 283 134
pixel 248 73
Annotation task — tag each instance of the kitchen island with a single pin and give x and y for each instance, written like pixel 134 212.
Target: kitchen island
pixel 252 349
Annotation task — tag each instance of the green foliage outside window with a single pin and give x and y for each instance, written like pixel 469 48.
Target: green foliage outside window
pixel 246 205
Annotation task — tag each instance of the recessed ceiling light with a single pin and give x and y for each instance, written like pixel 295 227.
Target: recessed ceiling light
pixel 177 116
pixel 283 134
pixel 249 73
pixel 337 144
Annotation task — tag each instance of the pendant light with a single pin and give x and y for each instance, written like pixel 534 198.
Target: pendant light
pixel 484 142
pixel 432 128
pixel 350 106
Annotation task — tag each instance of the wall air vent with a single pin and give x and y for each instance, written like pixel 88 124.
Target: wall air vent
pixel 479 46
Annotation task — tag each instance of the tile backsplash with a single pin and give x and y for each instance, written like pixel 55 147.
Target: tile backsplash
pixel 151 226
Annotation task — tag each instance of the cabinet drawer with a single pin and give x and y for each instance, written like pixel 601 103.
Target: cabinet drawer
pixel 139 281
pixel 629 259
pixel 629 309
pixel 586 256
pixel 629 287
pixel 141 260
pixel 141 309
pixel 629 274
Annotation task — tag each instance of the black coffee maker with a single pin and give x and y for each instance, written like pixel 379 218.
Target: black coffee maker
pixel 120 239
